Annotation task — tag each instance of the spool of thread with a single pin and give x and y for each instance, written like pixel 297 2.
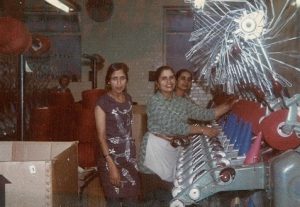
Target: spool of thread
pixel 236 138
pixel 230 125
pixel 246 139
pixel 253 155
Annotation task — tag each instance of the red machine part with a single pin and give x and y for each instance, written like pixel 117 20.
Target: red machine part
pixel 251 112
pixel 270 127
pixel 40 44
pixel 15 37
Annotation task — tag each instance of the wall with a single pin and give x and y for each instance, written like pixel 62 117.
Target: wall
pixel 134 35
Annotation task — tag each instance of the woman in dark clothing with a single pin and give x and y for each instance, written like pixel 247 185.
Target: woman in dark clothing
pixel 113 114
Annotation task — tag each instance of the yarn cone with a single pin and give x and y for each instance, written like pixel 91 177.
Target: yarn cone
pixel 253 154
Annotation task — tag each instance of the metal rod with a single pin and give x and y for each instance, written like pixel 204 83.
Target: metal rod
pixel 20 107
pixel 94 69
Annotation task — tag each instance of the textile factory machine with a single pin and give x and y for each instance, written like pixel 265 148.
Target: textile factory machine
pixel 238 46
pixel 234 160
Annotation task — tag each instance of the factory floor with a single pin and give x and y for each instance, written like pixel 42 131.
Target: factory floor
pixel 92 195
pixel 158 196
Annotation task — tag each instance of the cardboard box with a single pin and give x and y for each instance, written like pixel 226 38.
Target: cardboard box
pixel 39 174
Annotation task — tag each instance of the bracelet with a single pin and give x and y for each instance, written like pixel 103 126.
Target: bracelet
pixel 105 156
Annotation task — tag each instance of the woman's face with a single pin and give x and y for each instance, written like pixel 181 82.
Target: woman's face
pixel 184 81
pixel 166 81
pixel 118 81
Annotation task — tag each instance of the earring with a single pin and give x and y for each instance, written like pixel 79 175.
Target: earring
pixel 108 86
pixel 156 88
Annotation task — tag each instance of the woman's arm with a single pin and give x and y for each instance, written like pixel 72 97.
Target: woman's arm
pixel 101 133
pixel 224 108
pixel 202 114
pixel 197 112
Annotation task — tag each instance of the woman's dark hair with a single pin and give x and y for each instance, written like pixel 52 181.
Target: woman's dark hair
pixel 115 67
pixel 158 73
pixel 179 72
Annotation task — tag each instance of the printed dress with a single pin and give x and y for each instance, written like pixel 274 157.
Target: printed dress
pixel 121 148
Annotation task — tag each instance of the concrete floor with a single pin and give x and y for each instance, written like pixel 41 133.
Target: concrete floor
pixel 155 196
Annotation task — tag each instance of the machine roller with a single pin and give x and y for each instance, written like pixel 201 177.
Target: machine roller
pixel 228 163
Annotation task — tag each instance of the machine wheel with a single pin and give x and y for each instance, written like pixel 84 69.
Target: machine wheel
pixel 194 193
pixel 274 136
pixel 175 191
pixel 227 175
pixel 176 203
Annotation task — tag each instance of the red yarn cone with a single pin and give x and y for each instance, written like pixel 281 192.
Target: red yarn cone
pixel 253 154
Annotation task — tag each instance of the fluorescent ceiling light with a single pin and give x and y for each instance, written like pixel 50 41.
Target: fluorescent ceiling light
pixel 60 5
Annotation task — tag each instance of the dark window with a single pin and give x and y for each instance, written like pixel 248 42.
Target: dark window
pixel 178 25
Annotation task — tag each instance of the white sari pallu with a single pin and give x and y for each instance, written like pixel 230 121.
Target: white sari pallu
pixel 161 157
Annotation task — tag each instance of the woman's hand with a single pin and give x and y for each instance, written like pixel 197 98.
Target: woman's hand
pixel 114 174
pixel 225 107
pixel 210 131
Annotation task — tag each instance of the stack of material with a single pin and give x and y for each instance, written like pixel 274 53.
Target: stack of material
pixel 86 128
pixel 63 116
pixel 40 124
pixel 55 122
